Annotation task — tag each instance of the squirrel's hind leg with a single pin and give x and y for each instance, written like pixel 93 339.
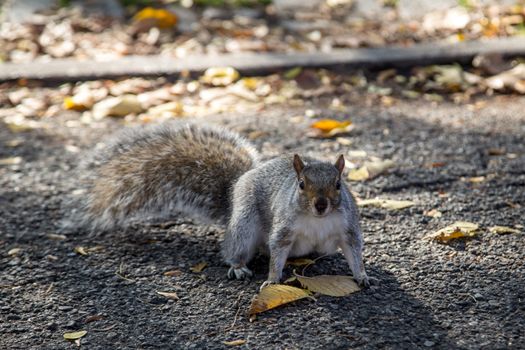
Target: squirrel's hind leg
pixel 241 242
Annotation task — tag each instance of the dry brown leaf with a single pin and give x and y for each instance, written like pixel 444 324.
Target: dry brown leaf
pixel 56 236
pixel 173 273
pixel 476 179
pixel 510 79
pixel 169 295
pixel 74 335
pixel 14 251
pixel 503 230
pixel 80 250
pixel 300 262
pixel 117 106
pixel 433 213
pixel 234 342
pixel 170 109
pixel 369 170
pixel 199 267
pixel 389 204
pixel 276 295
pixel 336 286
pixel 459 229
pixel 11 161
pixel 220 76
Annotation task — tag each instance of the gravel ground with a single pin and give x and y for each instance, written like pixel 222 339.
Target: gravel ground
pixel 465 295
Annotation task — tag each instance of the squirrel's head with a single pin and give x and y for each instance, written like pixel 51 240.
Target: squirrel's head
pixel 319 184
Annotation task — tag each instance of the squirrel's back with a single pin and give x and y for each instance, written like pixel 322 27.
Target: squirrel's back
pixel 162 169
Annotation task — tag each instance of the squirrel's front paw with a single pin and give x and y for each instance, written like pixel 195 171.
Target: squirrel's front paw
pixel 364 281
pixel 239 273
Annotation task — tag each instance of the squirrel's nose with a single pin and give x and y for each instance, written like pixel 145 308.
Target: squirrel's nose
pixel 321 204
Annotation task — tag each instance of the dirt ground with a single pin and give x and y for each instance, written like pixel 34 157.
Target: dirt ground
pixel 468 294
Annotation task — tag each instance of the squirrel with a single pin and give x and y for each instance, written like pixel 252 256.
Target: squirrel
pixel 285 207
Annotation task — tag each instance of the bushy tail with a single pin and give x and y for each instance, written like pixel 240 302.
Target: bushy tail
pixel 160 170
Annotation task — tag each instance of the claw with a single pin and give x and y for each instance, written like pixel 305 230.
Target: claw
pixel 266 283
pixel 239 273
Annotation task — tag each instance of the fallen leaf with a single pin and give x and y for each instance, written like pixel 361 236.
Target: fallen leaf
pixel 74 335
pixel 511 79
pixel 370 170
pixel 356 154
pixel 117 106
pixel 14 251
pixel 169 295
pixel 300 262
pixel 11 161
pixel 476 179
pixel 327 125
pixel 173 273
pixel 157 17
pixel 93 318
pixel 433 213
pixel 14 143
pixel 199 267
pixel 79 102
pixel 458 229
pixel 503 230
pixel 170 109
pixel 292 73
pixel 56 236
pixel 220 76
pixel 389 204
pixel 336 286
pixel 327 128
pixel 234 342
pixel 276 295
pixel 80 250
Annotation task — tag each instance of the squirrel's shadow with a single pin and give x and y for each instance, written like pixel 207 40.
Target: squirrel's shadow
pixel 381 316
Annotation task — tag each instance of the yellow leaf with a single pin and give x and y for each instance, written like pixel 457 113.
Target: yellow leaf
pixel 234 342
pixel 80 250
pixel 370 170
pixel 74 335
pixel 336 286
pixel 503 230
pixel 199 267
pixel 327 125
pixel 360 174
pixel 170 295
pixel 220 76
pixel 276 295
pixel 459 229
pixel 300 262
pixel 11 161
pixel 162 18
pixel 389 204
pixel 73 103
pixel 250 83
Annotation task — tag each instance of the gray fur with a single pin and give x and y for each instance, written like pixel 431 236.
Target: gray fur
pixel 216 174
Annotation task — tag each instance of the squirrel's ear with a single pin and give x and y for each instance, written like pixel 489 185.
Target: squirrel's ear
pixel 298 164
pixel 340 164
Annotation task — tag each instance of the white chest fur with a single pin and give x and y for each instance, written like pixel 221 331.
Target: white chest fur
pixel 318 234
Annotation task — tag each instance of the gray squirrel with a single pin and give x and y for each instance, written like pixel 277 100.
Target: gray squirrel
pixel 285 207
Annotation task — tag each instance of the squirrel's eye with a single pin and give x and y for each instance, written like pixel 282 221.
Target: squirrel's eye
pixel 301 184
pixel 338 185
